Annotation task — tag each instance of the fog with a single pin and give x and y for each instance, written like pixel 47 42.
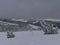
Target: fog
pixel 30 9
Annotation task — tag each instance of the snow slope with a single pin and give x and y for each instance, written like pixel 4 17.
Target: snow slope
pixel 30 38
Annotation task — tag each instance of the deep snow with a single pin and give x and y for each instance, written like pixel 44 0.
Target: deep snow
pixel 30 38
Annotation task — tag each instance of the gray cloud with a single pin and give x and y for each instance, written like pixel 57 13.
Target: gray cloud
pixel 30 8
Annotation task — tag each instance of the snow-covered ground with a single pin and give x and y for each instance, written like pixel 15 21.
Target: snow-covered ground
pixel 30 38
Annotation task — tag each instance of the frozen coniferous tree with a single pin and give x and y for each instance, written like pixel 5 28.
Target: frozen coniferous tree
pixel 48 28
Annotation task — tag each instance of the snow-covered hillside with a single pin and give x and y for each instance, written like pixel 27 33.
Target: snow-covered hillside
pixel 30 38
pixel 22 20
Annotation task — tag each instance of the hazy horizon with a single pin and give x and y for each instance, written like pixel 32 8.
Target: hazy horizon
pixel 30 9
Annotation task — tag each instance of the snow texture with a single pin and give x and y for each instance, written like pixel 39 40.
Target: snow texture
pixel 30 38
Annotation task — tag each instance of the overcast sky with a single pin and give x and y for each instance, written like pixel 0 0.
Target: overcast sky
pixel 30 8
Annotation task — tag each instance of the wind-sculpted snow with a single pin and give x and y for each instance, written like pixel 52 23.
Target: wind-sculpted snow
pixel 30 38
